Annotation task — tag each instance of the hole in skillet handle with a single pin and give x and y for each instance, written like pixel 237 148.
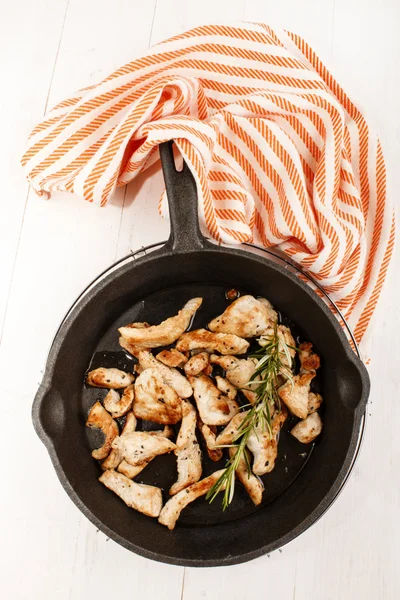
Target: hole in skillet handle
pixel 181 190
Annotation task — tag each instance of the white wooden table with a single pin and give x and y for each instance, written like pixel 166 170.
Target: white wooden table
pixel 50 249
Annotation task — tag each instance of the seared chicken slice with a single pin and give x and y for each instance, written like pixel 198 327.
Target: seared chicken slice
pixel 109 378
pixel 209 433
pixel 115 457
pixel 118 407
pixel 197 363
pixel 172 358
pixel 238 372
pixel 306 431
pixel 155 400
pixel 231 431
pixel 309 361
pixel 252 484
pixel 245 317
pixel 170 376
pixel 173 508
pixel 164 334
pixel 141 446
pixel 99 418
pixel 146 499
pixel 214 408
pixel 265 446
pixel 226 387
pixel 187 451
pixel 314 402
pixel 128 347
pixel 207 340
pixel 285 340
pixel 131 471
pixel 295 394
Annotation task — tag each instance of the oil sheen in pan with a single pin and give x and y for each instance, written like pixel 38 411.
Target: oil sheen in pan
pixel 292 456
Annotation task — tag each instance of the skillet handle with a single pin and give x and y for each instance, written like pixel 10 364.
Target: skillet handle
pixel 182 201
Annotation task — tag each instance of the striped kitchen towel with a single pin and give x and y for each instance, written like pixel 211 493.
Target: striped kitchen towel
pixel 281 155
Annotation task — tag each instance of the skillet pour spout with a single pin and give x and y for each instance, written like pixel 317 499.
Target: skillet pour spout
pixel 150 288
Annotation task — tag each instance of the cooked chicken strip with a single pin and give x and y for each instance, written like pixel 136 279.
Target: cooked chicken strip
pixel 309 361
pixel 118 407
pixel 155 400
pixel 128 347
pixel 164 334
pixel 172 358
pixel 132 471
pixel 226 387
pixel 187 451
pixel 238 372
pixel 285 337
pixel 245 317
pixel 115 457
pixel 209 433
pixel 170 376
pixel 207 340
pixel 214 408
pixel 173 508
pixel 99 418
pixel 295 394
pixel 250 482
pixel 141 446
pixel 231 431
pixel 314 402
pixel 264 446
pixel 197 363
pixel 306 431
pixel 109 378
pixel 146 499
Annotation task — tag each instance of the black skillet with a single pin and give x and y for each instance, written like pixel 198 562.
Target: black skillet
pixel 306 479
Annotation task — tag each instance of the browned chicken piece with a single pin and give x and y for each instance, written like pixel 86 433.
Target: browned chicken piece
pixel 209 433
pixel 164 334
pixel 99 418
pixel 245 317
pixel 231 431
pixel 238 372
pixel 131 471
pixel 252 484
pixel 146 499
pixel 309 361
pixel 119 406
pixel 141 447
pixel 264 446
pixel 207 340
pixel 155 400
pixel 307 430
pixel 314 402
pixel 109 378
pixel 172 358
pixel 226 387
pixel 295 394
pixel 128 347
pixel 187 451
pixel 173 508
pixel 214 408
pixel 172 377
pixel 197 363
pixel 115 457
pixel 285 340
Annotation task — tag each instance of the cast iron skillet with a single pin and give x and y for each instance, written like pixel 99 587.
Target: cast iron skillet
pixel 305 481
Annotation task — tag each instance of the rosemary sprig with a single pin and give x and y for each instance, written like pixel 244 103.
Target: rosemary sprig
pixel 274 360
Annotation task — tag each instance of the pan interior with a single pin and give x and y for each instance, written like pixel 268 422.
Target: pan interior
pixel 154 308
